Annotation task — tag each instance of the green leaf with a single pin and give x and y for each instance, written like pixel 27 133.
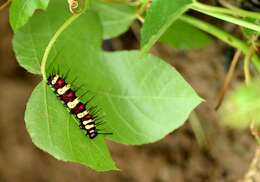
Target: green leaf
pixel 184 36
pixel 50 125
pixel 242 106
pixel 54 130
pixel 143 98
pixel 22 10
pixel 159 18
pixel 115 18
pixel 30 41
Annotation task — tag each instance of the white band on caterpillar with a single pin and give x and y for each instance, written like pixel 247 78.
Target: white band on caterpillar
pixel 55 79
pixel 87 121
pixel 64 89
pixel 73 104
pixel 89 126
pixel 82 114
pixel 91 131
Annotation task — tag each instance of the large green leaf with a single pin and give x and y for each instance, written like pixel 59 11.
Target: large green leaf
pixel 184 36
pixel 116 18
pixel 54 130
pixel 22 10
pixel 50 125
pixel 159 18
pixel 143 98
pixel 31 40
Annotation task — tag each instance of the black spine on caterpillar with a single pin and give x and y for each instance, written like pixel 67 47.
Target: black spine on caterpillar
pixel 72 102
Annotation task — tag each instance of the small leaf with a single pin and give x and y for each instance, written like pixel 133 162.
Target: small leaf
pixel 54 130
pixel 115 18
pixel 184 36
pixel 31 40
pixel 22 10
pixel 159 18
pixel 242 106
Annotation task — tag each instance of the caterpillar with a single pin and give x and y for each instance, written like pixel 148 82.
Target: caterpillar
pixel 73 103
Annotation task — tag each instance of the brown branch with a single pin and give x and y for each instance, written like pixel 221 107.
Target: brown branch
pixel 228 78
pixel 5 5
pixel 253 174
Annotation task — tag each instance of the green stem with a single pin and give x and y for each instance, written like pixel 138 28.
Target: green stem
pixel 230 19
pixel 127 2
pixel 222 35
pixel 234 11
pixel 143 7
pixel 52 42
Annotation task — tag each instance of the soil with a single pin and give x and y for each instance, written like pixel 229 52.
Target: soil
pixel 177 158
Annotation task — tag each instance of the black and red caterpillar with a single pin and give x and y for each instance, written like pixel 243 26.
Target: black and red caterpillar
pixel 72 102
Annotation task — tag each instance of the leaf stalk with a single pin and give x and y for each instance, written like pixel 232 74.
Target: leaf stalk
pixel 222 35
pixel 225 14
pixel 56 35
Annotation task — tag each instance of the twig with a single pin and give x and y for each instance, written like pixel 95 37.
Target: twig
pixel 226 4
pixel 248 57
pixel 253 173
pixel 255 132
pixel 5 5
pixel 247 61
pixel 198 130
pixel 228 78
